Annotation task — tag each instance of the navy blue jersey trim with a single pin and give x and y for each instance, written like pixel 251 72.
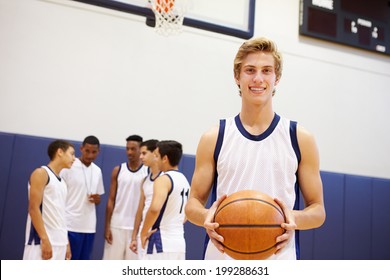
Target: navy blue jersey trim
pixel 33 236
pixel 133 171
pixel 296 207
pixel 172 185
pixel 119 171
pixel 295 145
pixel 48 180
pixel 159 218
pixel 151 176
pixel 218 146
pixel 155 241
pixel 294 139
pixel 261 136
pixel 221 133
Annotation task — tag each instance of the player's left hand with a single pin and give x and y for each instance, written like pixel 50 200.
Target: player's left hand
pixel 210 225
pixel 289 226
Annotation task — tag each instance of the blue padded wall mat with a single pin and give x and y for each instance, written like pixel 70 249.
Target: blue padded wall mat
pixel 358 207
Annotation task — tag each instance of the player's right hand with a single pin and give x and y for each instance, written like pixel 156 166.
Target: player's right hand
pixel 133 246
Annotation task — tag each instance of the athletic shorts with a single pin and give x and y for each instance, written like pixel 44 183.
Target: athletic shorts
pixel 34 252
pixel 120 247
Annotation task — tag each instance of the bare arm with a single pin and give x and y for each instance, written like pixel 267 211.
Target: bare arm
pixel 313 215
pixel 38 181
pixel 111 204
pixel 161 187
pixel 201 185
pixel 137 221
pixel 202 179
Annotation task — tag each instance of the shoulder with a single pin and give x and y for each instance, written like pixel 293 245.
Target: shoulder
pixel 40 171
pixel 116 169
pixel 307 143
pixel 39 175
pixel 304 136
pixel 96 168
pixel 163 183
pixel 207 144
pixel 209 137
pixel 166 177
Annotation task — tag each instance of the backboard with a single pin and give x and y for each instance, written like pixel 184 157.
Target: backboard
pixel 229 17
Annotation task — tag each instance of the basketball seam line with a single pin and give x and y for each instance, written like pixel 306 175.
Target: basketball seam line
pixel 249 253
pixel 255 199
pixel 250 225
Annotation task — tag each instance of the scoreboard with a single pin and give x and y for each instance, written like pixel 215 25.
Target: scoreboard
pixel 363 24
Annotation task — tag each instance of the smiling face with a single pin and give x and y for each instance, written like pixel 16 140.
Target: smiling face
pixel 257 77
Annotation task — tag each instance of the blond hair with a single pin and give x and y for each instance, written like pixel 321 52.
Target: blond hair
pixel 260 44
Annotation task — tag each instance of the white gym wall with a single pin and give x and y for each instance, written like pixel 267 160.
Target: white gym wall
pixel 69 70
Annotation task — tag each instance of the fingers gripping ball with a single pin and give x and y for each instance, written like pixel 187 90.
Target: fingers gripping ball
pixel 249 222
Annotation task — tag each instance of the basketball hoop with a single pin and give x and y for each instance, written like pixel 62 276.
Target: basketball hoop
pixel 169 16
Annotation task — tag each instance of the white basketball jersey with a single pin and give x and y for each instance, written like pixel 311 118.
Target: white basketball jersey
pixel 169 236
pixel 147 188
pixel 267 163
pixel 127 196
pixel 82 181
pixel 53 212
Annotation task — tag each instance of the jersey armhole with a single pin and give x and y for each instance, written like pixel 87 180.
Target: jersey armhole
pixel 119 171
pixel 294 139
pixel 221 133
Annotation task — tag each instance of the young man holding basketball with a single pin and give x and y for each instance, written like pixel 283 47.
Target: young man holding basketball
pixel 258 150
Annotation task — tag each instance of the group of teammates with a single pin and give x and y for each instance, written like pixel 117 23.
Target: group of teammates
pixel 145 208
pixel 257 149
pixel 152 228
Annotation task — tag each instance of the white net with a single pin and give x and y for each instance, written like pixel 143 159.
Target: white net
pixel 169 16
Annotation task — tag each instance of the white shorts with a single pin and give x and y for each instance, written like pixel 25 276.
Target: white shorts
pixel 120 247
pixel 164 256
pixel 287 253
pixel 142 255
pixel 34 252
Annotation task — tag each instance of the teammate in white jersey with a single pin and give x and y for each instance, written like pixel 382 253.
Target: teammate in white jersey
pixel 85 186
pixel 122 204
pixel 162 234
pixel 258 150
pixel 148 159
pixel 46 234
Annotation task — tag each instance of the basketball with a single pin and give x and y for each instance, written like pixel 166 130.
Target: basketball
pixel 249 222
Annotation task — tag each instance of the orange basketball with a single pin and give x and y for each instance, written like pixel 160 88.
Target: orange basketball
pixel 164 5
pixel 249 222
